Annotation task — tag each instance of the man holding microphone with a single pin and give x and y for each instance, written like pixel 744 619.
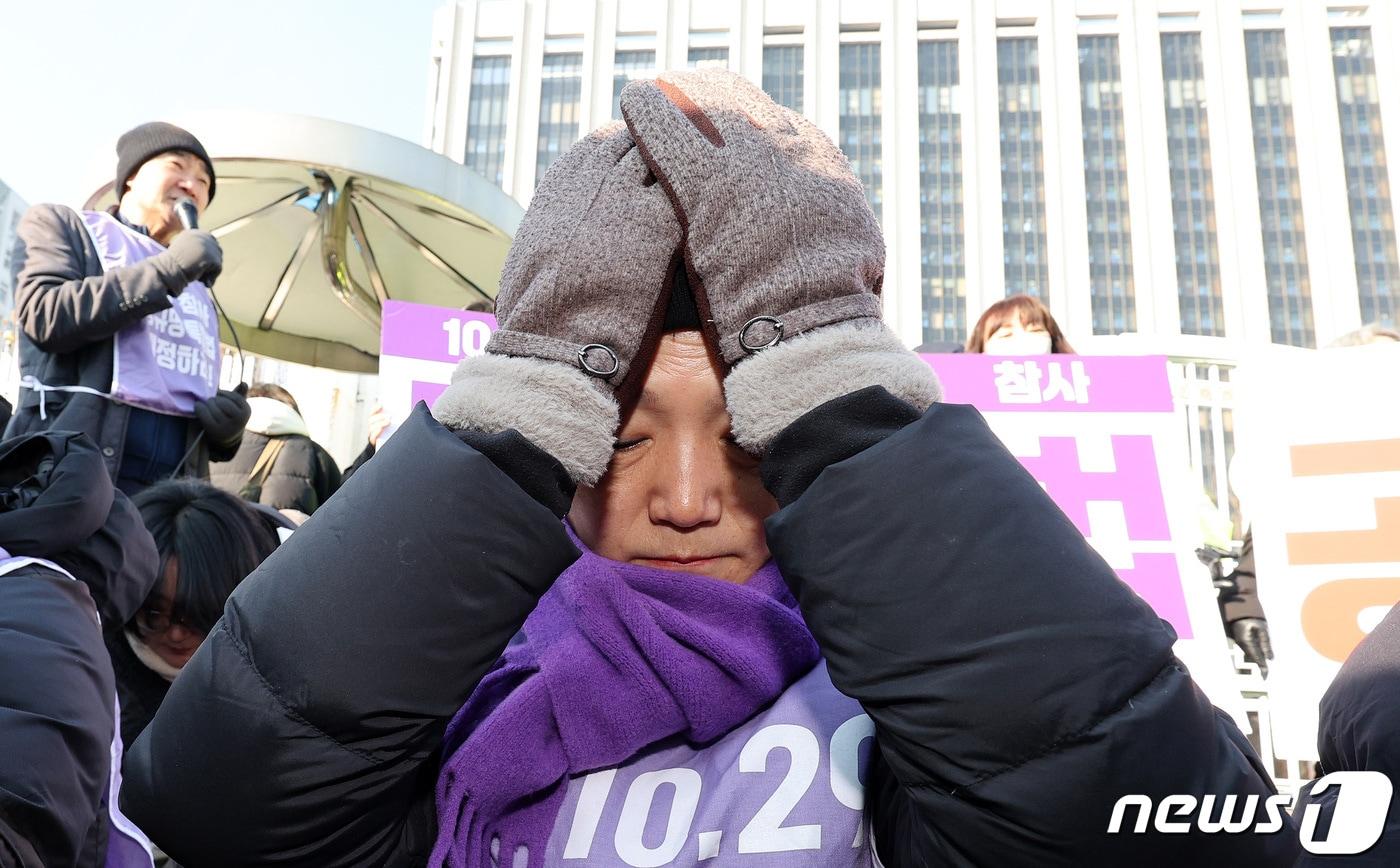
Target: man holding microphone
pixel 119 335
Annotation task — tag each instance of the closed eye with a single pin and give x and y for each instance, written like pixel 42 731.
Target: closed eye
pixel 624 445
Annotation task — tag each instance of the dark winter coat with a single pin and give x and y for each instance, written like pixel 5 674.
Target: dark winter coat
pixel 1359 730
pixel 1017 687
pixel 56 682
pixel 303 477
pixel 1241 600
pixel 68 310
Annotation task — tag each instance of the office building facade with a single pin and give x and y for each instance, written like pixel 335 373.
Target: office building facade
pixel 1210 174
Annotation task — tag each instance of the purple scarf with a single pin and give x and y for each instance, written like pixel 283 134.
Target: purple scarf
pixel 616 658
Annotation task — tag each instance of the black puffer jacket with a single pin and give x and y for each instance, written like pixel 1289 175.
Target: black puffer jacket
pixel 56 683
pixel 303 476
pixel 1017 687
pixel 1359 730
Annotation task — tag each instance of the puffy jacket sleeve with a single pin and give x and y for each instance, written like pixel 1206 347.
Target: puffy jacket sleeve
pixel 56 709
pixel 1017 686
pixel 59 303
pixel 328 478
pixel 1359 730
pixel 305 730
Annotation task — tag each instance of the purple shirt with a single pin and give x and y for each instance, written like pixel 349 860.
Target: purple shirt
pixel 169 361
pixel 783 789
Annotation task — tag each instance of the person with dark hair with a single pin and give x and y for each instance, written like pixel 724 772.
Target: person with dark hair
pixel 118 335
pixel 1020 325
pixel 208 541
pixel 691 564
pixel 73 556
pixel 278 464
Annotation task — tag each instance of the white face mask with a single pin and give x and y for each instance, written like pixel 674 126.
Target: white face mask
pixel 150 658
pixel 1019 344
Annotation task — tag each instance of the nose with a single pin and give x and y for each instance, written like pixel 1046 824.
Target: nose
pixel 179 636
pixel 688 488
pixel 188 185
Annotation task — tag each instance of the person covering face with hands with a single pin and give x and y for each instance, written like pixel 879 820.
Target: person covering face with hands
pixel 118 331
pixel 772 536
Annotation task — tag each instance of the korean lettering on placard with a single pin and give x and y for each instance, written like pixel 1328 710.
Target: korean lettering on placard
pixel 1124 494
pixel 1023 382
pixel 181 339
pixel 1332 612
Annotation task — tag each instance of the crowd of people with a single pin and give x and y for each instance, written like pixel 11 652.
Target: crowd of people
pixel 695 504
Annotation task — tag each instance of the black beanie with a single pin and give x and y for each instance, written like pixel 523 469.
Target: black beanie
pixel 681 312
pixel 138 145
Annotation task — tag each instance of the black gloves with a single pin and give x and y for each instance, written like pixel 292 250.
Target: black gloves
pixel 1252 635
pixel 222 417
pixel 193 255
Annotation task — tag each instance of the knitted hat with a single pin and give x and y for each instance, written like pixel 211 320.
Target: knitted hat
pixel 140 144
pixel 681 312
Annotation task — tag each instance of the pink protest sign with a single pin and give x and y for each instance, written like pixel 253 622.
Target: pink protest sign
pixel 433 334
pixel 420 345
pixel 1104 465
pixel 1134 483
pixel 1059 383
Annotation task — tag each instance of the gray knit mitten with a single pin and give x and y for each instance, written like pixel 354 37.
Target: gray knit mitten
pixel 581 299
pixel 783 252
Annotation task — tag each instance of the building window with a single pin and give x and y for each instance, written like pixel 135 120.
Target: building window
pixel 1111 296
pixel 1193 193
pixel 630 66
pixel 488 100
pixel 782 74
pixel 707 57
pixel 859 126
pixel 942 269
pixel 1025 265
pixel 1368 180
pixel 560 91
pixel 1280 201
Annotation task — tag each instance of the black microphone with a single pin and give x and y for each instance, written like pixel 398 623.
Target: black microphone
pixel 186 212
pixel 189 218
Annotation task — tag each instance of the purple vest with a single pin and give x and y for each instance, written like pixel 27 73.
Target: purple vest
pixel 169 361
pixel 783 789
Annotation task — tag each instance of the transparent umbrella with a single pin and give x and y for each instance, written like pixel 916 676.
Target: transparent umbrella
pixel 321 222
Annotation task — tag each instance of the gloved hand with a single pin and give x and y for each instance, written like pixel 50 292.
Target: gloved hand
pixel 193 255
pixel 582 294
pixel 783 252
pixel 1252 635
pixel 223 418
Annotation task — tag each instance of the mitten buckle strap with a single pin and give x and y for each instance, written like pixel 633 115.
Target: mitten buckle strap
pixel 598 372
pixel 774 323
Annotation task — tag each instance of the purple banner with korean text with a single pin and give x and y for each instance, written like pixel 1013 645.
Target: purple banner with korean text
pixel 433 334
pixel 1059 383
pixel 420 346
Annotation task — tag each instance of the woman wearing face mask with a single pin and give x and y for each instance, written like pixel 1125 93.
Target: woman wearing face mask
pixel 1017 326
pixel 208 542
